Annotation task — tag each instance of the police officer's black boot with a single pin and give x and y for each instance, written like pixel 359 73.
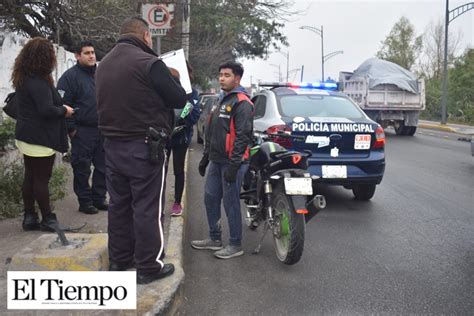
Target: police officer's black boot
pixel 145 278
pixel 30 221
pixel 116 266
pixel 88 209
pixel 49 222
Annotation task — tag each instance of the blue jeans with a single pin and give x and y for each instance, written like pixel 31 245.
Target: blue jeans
pixel 216 190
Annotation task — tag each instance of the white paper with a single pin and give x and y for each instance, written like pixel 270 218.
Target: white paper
pixel 175 59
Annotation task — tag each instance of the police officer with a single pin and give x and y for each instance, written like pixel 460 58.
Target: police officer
pixel 228 137
pixel 78 87
pixel 136 92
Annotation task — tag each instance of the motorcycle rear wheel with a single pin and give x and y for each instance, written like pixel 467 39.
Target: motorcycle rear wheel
pixel 289 230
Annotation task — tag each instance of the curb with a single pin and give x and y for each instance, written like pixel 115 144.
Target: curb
pixel 168 304
pixel 437 127
pixel 165 304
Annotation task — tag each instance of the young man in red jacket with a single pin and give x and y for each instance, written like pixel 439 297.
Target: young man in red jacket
pixel 229 135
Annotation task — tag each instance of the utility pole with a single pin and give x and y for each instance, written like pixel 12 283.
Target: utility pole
pixel 185 26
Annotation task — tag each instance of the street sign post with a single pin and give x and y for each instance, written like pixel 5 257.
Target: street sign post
pixel 159 18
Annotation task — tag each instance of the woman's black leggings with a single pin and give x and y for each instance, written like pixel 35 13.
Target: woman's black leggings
pixel 179 156
pixel 38 171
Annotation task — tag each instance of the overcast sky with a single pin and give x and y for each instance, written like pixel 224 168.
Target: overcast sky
pixel 353 26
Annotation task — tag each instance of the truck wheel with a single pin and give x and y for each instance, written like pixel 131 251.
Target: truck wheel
pixel 399 127
pixel 363 192
pixel 410 130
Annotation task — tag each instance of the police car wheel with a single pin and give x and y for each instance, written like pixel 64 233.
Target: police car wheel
pixel 363 192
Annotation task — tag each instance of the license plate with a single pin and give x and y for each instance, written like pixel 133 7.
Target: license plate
pixel 299 186
pixel 362 141
pixel 334 171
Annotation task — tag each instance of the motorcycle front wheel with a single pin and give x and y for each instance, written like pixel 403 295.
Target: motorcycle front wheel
pixel 289 227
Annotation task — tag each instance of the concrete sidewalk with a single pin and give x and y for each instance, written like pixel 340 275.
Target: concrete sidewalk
pixel 451 128
pixel 152 299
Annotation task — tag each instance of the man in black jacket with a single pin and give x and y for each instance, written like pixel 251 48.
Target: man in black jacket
pixel 136 92
pixel 228 136
pixel 78 88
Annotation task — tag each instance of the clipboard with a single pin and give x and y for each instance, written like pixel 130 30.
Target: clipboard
pixel 175 59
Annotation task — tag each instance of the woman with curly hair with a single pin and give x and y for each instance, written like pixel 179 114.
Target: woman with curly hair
pixel 40 127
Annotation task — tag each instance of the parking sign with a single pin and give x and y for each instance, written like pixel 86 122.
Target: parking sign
pixel 159 17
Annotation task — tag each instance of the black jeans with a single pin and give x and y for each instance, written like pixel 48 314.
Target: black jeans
pixel 38 171
pixel 179 157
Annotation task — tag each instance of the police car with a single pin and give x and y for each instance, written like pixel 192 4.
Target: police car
pixel 347 146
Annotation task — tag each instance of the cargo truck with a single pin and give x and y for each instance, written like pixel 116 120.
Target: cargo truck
pixel 387 93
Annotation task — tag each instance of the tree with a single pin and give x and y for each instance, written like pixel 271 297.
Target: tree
pixel 68 21
pixel 431 63
pixel 401 46
pixel 461 92
pixel 221 30
pixel 226 30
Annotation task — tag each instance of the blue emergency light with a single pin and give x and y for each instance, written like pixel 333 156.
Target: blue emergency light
pixel 301 85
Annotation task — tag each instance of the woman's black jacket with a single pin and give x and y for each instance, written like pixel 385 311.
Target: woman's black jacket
pixel 41 115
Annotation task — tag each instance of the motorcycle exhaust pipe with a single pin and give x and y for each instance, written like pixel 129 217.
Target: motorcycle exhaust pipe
pixel 316 204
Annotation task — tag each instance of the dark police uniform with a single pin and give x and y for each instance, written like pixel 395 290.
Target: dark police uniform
pixel 78 84
pixel 135 91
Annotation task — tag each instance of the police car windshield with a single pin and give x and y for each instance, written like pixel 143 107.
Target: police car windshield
pixel 318 106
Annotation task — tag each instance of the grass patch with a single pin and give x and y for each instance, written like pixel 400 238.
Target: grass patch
pixel 11 180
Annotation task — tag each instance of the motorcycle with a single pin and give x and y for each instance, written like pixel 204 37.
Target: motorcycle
pixel 278 191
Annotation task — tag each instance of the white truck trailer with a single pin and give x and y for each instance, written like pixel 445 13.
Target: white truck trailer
pixel 387 93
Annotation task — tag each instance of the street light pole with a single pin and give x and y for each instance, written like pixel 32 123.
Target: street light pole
pixel 320 32
pixel 332 54
pixel 456 12
pixel 322 53
pixel 279 71
pixel 444 97
pixel 287 56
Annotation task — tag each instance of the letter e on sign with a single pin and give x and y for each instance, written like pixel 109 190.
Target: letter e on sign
pixel 158 16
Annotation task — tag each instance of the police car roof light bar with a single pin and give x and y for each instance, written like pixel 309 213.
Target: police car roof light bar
pixel 301 85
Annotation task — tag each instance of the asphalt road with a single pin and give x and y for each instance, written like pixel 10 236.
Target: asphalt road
pixel 409 250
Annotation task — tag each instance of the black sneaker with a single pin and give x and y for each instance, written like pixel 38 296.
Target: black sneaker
pixel 49 223
pixel 88 209
pixel 145 278
pixel 30 221
pixel 102 206
pixel 117 266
